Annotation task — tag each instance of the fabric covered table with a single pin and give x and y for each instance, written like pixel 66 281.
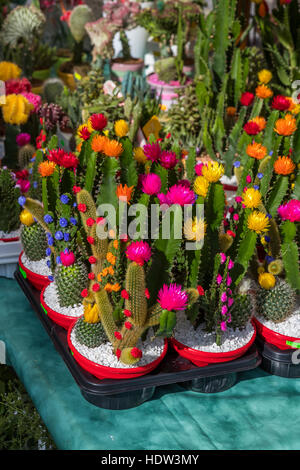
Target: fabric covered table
pixel 259 412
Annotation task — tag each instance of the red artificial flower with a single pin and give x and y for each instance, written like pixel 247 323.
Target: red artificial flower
pixel 147 293
pixel 17 86
pixel 136 352
pixel 117 335
pixel 84 133
pixel 90 222
pixel 251 128
pixel 81 207
pixel 40 139
pixel 63 158
pixel 84 293
pixel 247 98
pixel 91 276
pixel 118 353
pixel 92 259
pixel 128 325
pixel 281 103
pixel 124 294
pixel 127 313
pixel 200 290
pixel 22 175
pixel 232 234
pixel 98 122
pixel 96 287
pixel 91 240
pixel 76 189
pixel 100 220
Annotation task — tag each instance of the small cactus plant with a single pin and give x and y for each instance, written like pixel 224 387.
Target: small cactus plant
pixel 10 209
pixel 276 304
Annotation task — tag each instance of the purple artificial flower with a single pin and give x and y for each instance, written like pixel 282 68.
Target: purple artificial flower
pixel 23 139
pixel 152 151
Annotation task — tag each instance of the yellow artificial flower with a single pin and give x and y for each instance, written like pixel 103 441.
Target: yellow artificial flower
pixel 258 222
pixel 266 280
pixel 251 198
pixel 26 218
pixel 265 76
pixel 201 186
pixel 91 314
pixel 195 229
pixel 260 270
pixel 16 109
pixel 275 267
pixel 212 171
pixel 139 156
pixel 121 128
pixel 9 70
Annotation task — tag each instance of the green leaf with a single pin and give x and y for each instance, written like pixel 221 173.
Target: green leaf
pixel 278 192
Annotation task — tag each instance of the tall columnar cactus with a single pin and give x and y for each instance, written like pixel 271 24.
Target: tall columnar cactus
pixel 10 209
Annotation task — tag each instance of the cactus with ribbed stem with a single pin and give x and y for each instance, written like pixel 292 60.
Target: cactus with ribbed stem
pixel 276 304
pixel 25 154
pixel 69 282
pixel 10 209
pixel 34 242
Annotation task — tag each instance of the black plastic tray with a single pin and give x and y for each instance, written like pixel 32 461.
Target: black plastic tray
pixel 127 393
pixel 277 361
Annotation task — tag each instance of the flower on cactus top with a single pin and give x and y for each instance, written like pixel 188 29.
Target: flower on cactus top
pixel 264 76
pixel 112 148
pixel 223 258
pixel 219 279
pixel 98 143
pixel 139 252
pixel 83 132
pixel 124 192
pixel 124 294
pixel 223 326
pixel 35 100
pixel 290 211
pixel 263 92
pixel 213 171
pixel 247 98
pixel 136 353
pixel 201 185
pixel 121 128
pixel 266 280
pixel 152 151
pixel 63 158
pixel 23 139
pixel 256 150
pixel 200 290
pixel 172 297
pixel 251 128
pixel 97 122
pixel 284 166
pixel 258 222
pixel 195 229
pixel 281 103
pixel 251 198
pixel 177 194
pixel 139 156
pixel 230 265
pixel 151 183
pixel 67 257
pixel 168 159
pixel 285 126
pixel 16 109
pixel 46 168
pixel 260 121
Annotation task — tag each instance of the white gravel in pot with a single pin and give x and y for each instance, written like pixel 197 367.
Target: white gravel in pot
pixel 51 299
pixel 14 234
pixel 203 341
pixel 38 267
pixel 288 327
pixel 103 354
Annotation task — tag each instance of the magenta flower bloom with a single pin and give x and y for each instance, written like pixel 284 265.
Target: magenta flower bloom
pixel 228 281
pixel 224 310
pixel 151 184
pixel 23 139
pixel 223 297
pixel 34 99
pixel 238 199
pixel 230 264
pixel 290 211
pixel 139 252
pixel 152 151
pixel 172 297
pixel 168 159
pixel 219 279
pixel 223 258
pixel 223 325
pixel 198 169
pixel 178 194
pixel 230 302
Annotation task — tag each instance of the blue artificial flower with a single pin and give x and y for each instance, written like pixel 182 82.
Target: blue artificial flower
pixel 63 222
pixel 48 218
pixel 48 264
pixel 267 238
pixel 271 152
pixel 73 221
pixel 237 164
pixel 58 260
pixel 269 259
pixel 59 235
pixel 64 199
pixel 66 237
pixel 35 184
pixel 30 171
pixel 50 240
pixel 22 200
pixel 48 251
pixel 256 186
pixel 260 175
pixel 51 279
pixel 269 216
pixel 75 204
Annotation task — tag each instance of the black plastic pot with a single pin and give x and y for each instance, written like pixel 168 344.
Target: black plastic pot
pixel 279 362
pixel 127 393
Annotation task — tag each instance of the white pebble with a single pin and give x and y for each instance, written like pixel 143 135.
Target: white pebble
pixel 104 355
pixel 201 340
pixel 51 299
pixel 289 327
pixel 37 267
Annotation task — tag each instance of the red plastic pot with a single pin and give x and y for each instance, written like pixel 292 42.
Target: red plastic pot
pixel 277 339
pixel 62 320
pixel 203 358
pixel 104 372
pixel 5 240
pixel 36 280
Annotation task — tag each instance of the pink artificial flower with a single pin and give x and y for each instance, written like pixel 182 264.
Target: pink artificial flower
pixel 290 211
pixel 34 99
pixel 223 297
pixel 177 194
pixel 219 279
pixel 223 258
pixel 168 159
pixel 247 98
pixel 238 199
pixel 24 185
pixel 224 310
pixel 152 151
pixel 223 325
pixel 230 264
pixel 67 257
pixel 248 179
pixel 23 139
pixel 139 252
pixel 198 169
pixel 281 103
pixel 172 297
pixel 230 301
pixel 151 183
pixel 236 217
pixel 228 281
pixel 17 86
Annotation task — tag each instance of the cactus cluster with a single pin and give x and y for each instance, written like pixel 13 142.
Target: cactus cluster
pixel 10 209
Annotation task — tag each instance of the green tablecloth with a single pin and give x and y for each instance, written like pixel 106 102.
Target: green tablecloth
pixel 259 412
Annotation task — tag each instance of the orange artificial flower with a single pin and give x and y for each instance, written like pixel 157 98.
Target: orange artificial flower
pixel 47 168
pixel 260 121
pixel 284 166
pixel 98 143
pixel 256 150
pixel 124 193
pixel 79 147
pixel 116 244
pixel 231 110
pixel 285 126
pixel 108 287
pixel 111 258
pixel 112 148
pixel 111 271
pixel 263 92
pixel 116 287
